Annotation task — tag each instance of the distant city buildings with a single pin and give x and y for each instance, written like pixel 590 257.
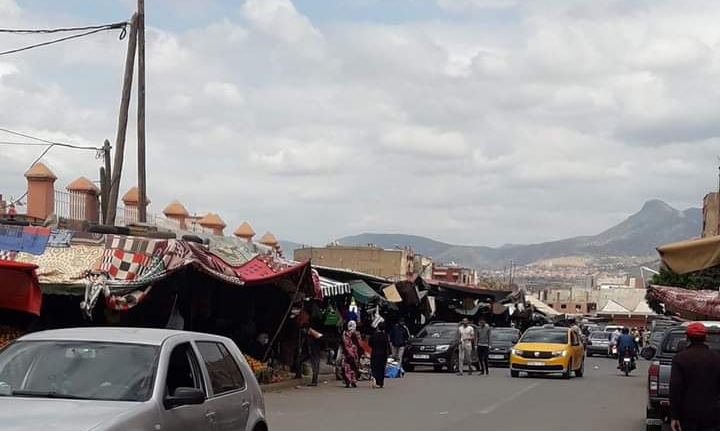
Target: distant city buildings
pixel 395 264
pixel 454 273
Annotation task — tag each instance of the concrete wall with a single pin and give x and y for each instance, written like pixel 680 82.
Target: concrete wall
pixel 393 264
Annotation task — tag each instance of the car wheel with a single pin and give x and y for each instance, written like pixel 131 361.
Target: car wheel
pixel 514 373
pixel 409 368
pixel 567 374
pixel 580 371
pixel 437 368
pixel 589 354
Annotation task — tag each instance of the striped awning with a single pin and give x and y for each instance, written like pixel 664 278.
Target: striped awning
pixel 333 288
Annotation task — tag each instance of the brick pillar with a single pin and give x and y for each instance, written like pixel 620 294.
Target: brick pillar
pixel 40 191
pixel 84 200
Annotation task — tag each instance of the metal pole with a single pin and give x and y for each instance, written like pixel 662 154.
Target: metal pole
pixel 142 188
pixel 122 121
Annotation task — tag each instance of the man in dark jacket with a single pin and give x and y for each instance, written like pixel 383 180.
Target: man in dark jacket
pixel 695 384
pixel 399 336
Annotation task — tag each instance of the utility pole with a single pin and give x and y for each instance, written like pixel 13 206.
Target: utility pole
pixel 122 122
pixel 142 185
pixel 105 179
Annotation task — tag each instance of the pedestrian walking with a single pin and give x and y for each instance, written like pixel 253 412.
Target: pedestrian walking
pixel 695 384
pixel 399 336
pixel 380 345
pixel 310 351
pixel 483 346
pixel 351 354
pixel 466 334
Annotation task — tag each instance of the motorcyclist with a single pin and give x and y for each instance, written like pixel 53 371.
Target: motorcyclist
pixel 626 341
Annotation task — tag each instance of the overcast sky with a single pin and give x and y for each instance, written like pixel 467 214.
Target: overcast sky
pixel 469 121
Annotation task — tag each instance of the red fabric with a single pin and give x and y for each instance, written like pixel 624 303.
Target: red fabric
pixel 697 330
pixel 19 289
pixel 690 304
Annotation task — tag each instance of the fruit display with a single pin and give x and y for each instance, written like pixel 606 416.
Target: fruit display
pixel 8 334
pixel 256 365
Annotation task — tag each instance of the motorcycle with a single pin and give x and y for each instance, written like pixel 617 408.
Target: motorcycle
pixel 628 363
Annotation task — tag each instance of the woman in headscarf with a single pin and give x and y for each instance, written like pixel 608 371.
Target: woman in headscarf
pixel 351 354
pixel 380 345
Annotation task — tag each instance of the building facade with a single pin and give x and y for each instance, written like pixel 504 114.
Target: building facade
pixel 395 264
pixel 711 219
pixel 455 274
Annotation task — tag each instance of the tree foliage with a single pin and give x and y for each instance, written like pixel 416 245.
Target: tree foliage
pixel 704 279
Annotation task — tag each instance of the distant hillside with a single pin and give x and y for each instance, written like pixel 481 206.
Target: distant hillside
pixel 655 224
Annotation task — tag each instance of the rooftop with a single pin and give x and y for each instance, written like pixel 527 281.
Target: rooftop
pixel 82 184
pixel 133 196
pixel 176 209
pixel 39 170
pixel 107 334
pixel 244 230
pixel 212 220
pixel 269 239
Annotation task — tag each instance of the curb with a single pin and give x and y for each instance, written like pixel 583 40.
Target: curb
pixel 290 383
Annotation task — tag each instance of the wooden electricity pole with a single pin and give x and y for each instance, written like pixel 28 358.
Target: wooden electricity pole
pixel 122 122
pixel 105 180
pixel 142 187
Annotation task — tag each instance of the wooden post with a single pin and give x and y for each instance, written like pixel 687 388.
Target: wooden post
pixel 122 122
pixel 142 188
pixel 105 178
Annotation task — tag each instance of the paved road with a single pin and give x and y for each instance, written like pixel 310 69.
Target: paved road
pixel 427 401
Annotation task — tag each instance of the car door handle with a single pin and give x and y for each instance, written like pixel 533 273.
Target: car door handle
pixel 210 416
pixel 245 405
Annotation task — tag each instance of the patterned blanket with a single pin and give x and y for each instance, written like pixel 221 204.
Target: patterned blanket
pixel 690 304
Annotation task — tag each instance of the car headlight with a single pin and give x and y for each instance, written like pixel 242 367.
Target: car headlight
pixel 517 352
pixel 442 348
pixel 559 354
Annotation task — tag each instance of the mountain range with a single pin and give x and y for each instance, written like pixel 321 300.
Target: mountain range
pixel 657 223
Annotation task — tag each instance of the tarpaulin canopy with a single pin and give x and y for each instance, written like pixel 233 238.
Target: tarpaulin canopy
pixel 363 293
pixel 540 306
pixel 330 287
pixel 391 294
pixel 691 255
pixel 62 270
pixel 19 289
pixel 690 304
pixel 458 289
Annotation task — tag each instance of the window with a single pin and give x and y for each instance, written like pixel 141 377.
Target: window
pixel 79 369
pixel 183 369
pixel 225 375
pixel 563 306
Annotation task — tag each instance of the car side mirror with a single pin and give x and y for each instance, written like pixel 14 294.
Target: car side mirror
pixel 184 397
pixel 648 352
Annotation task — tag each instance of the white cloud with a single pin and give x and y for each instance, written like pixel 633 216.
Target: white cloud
pixel 547 124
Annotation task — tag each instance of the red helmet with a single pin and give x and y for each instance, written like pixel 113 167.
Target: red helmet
pixel 696 330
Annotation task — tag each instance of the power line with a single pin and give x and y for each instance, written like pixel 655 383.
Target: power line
pixel 59 30
pixel 122 26
pixel 45 141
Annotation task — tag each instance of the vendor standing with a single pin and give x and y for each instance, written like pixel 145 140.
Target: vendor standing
pixel 399 336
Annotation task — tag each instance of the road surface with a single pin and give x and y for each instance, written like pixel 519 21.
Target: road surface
pixel 428 401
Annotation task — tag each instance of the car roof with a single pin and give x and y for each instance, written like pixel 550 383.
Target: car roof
pixel 106 334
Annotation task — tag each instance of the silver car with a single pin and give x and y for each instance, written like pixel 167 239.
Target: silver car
pixel 598 343
pixel 112 379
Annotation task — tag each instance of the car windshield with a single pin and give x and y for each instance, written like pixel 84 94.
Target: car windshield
pixel 600 335
pixel 677 341
pixel 557 337
pixel 438 332
pixel 78 369
pixel 499 336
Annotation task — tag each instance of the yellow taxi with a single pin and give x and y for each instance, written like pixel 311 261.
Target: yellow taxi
pixel 548 350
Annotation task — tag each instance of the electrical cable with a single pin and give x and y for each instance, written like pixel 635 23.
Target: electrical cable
pixel 75 36
pixel 58 30
pixel 35 138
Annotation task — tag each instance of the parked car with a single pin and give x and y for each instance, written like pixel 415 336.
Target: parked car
pixel 546 350
pixel 674 340
pixel 436 345
pixel 598 343
pixel 501 342
pixel 112 379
